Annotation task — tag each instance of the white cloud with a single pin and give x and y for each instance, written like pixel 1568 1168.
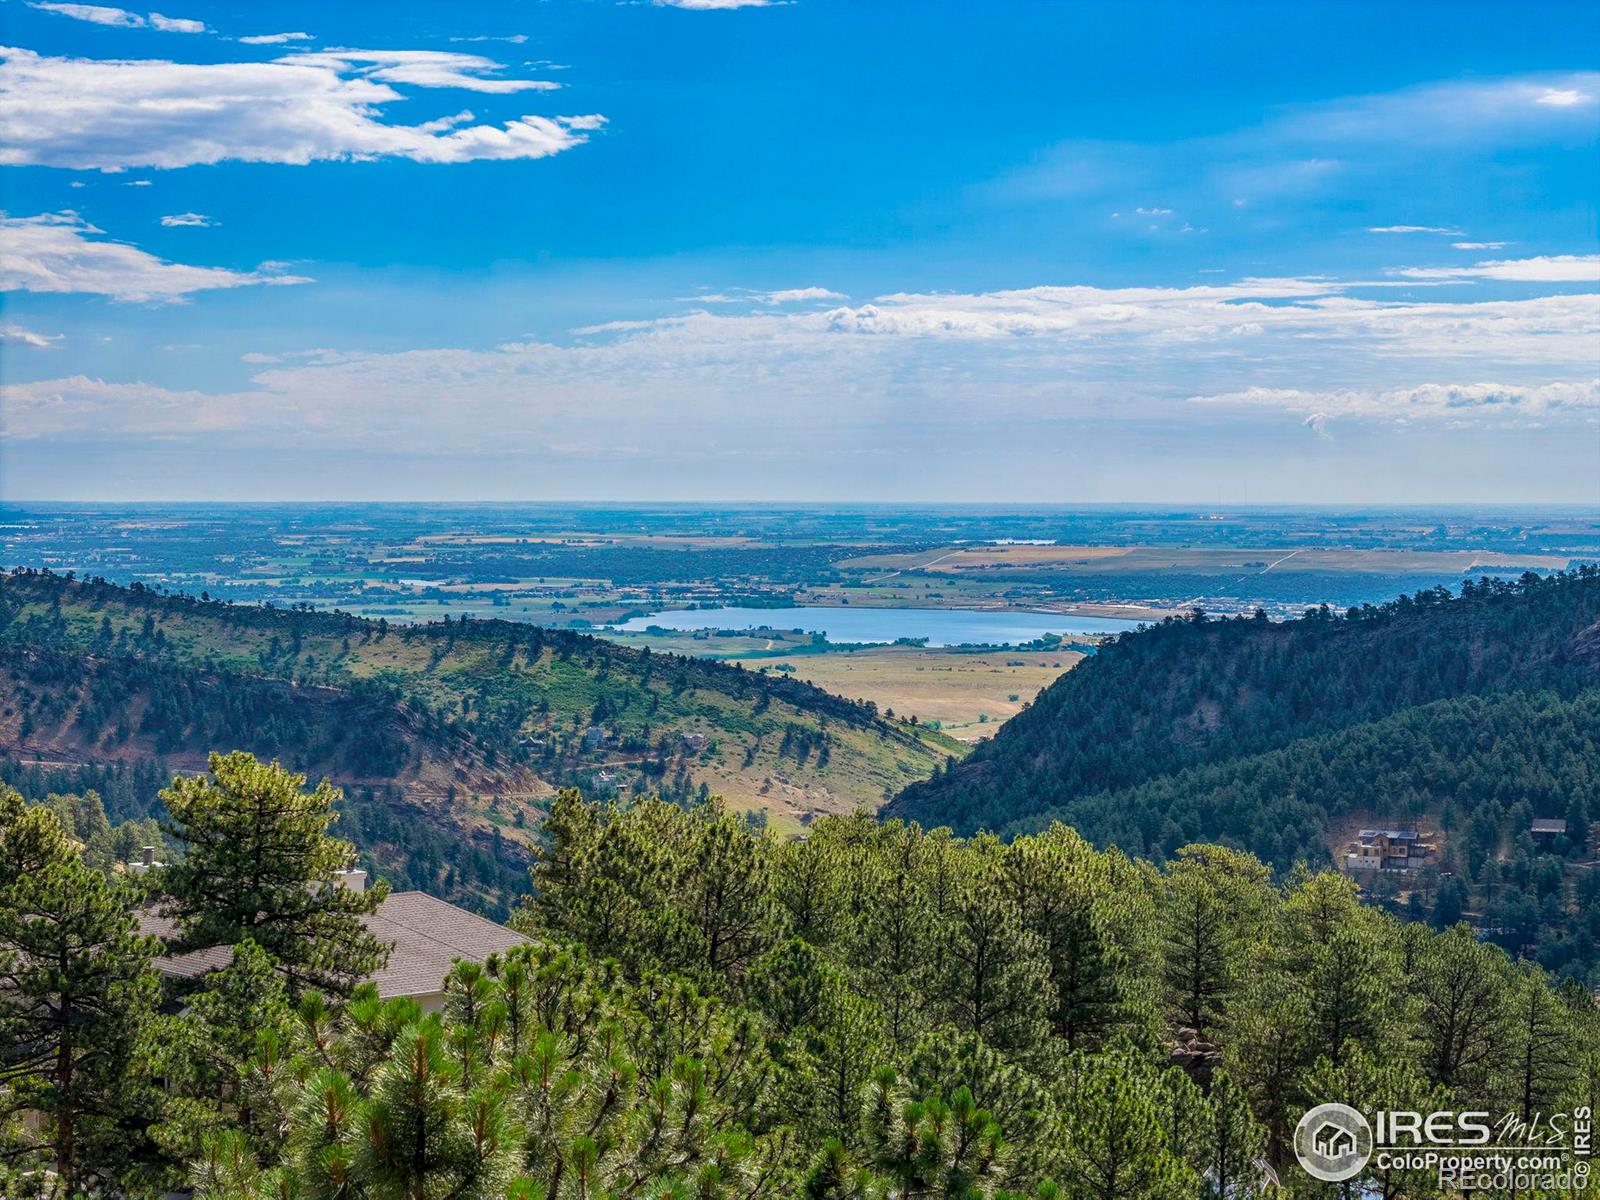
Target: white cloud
pixel 1426 400
pixel 188 219
pixel 1425 142
pixel 96 14
pixel 1479 245
pixel 16 335
pixel 1549 268
pixel 256 358
pixel 77 403
pixel 111 115
pixel 60 252
pixel 1152 212
pixel 1035 362
pixel 99 14
pixel 781 296
pixel 1435 112
pixel 793 295
pixel 176 24
pixel 715 5
pixel 421 68
pixel 273 39
pixel 1414 229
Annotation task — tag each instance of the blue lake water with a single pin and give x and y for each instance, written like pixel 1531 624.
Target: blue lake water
pixel 941 626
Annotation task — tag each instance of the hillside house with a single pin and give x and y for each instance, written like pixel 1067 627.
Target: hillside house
pixel 427 934
pixel 1548 829
pixel 1384 849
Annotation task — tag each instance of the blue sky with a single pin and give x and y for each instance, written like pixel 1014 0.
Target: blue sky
pixel 817 250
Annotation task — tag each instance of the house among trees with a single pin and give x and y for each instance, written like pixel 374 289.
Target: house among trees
pixel 426 935
pixel 1384 849
pixel 1548 829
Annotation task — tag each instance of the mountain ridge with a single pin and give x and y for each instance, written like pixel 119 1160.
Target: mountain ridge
pixel 1192 691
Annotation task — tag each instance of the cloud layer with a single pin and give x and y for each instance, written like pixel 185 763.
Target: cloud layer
pixel 61 252
pixel 1030 361
pixel 112 115
pixel 1426 401
pixel 1548 268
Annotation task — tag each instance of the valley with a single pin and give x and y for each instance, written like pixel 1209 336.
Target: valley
pixel 466 726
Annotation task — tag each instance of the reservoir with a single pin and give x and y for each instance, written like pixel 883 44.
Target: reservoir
pixel 941 626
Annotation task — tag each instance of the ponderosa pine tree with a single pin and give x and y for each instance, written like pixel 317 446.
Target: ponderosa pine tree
pixel 205 1054
pixel 258 863
pixel 1267 1046
pixel 1014 1096
pixel 995 980
pixel 1344 955
pixel 1463 989
pixel 1370 1083
pixel 889 940
pixel 1058 881
pixel 1118 1145
pixel 1211 911
pixel 1543 1034
pixel 77 1011
pixel 1234 1146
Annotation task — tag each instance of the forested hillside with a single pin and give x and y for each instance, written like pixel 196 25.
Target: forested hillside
pixel 707 1011
pixel 447 738
pixel 1192 691
pixel 1468 715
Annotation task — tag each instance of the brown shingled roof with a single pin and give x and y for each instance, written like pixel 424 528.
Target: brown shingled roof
pixel 428 935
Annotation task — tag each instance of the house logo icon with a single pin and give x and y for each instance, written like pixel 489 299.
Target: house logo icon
pixel 1333 1142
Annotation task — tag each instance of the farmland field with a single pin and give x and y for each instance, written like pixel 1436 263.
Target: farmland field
pixel 965 695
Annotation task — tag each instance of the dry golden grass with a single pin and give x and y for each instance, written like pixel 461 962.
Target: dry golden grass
pixel 934 685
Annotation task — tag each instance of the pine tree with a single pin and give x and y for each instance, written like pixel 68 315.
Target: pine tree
pixel 1117 1144
pixel 259 864
pixel 1343 953
pixel 77 1007
pixel 995 978
pixel 206 1054
pixel 1233 1150
pixel 1463 990
pixel 1211 910
pixel 1056 883
pixel 930 1148
pixel 1369 1084
pixel 1267 1047
pixel 421 1134
pixel 889 941
pixel 1542 1040
pixel 728 899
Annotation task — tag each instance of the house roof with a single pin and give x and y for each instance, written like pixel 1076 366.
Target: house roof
pixel 1394 835
pixel 428 935
pixel 187 966
pixel 1549 825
